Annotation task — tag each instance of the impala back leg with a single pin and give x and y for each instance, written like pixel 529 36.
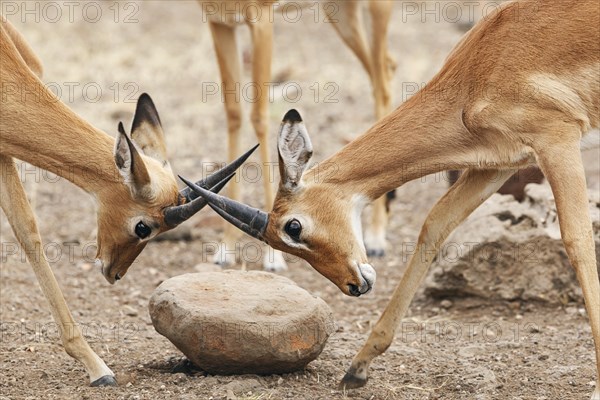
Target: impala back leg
pixel 563 167
pixel 348 23
pixel 229 67
pixel 261 30
pixel 472 189
pixel 20 216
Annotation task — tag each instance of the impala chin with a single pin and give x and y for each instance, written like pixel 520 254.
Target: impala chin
pixel 108 271
pixel 369 275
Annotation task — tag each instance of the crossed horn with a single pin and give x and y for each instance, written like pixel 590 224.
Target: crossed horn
pixel 248 219
pixel 192 201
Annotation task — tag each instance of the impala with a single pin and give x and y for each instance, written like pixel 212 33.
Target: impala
pixel 521 88
pixel 348 19
pixel 130 179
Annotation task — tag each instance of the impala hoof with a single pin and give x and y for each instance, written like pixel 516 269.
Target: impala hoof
pixel 351 381
pixel 274 262
pixel 106 380
pixel 375 252
pixel 375 242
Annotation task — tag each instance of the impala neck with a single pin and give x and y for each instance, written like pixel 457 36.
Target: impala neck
pixel 423 136
pixel 52 137
pixel 38 128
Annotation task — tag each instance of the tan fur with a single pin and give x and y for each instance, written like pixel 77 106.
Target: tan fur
pixel 38 128
pixel 31 60
pixel 348 23
pixel 522 86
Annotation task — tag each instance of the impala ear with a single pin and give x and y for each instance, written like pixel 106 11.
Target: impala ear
pixel 131 165
pixel 295 150
pixel 147 132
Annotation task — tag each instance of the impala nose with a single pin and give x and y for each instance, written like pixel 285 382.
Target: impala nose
pixel 354 290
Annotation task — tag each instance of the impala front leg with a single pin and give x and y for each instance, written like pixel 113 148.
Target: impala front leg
pixel 472 189
pixel 20 216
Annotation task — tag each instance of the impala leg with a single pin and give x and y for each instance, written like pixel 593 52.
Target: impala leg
pixel 346 20
pixel 472 189
pixel 381 75
pixel 563 168
pixel 262 48
pixel 262 53
pixel 383 66
pixel 229 67
pixel 22 220
pixel 349 25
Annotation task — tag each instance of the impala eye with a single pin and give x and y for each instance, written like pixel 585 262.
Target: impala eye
pixel 142 230
pixel 293 228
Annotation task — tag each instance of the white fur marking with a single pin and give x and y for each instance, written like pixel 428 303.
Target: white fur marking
pixel 359 202
pixel 590 140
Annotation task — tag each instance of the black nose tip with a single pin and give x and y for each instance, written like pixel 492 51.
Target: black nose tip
pixel 354 291
pixel 117 277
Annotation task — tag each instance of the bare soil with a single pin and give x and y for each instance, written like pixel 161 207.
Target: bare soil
pixel 465 349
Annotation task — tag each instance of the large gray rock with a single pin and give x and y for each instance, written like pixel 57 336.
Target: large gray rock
pixel 508 250
pixel 238 322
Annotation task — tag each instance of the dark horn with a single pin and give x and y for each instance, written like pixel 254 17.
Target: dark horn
pixel 217 177
pixel 248 219
pixel 175 215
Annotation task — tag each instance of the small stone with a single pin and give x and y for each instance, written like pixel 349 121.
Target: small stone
pixel 179 377
pixel 446 304
pixel 241 322
pixel 571 310
pixel 85 266
pixel 130 311
pixel 242 386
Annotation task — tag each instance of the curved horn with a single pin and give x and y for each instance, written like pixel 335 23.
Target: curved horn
pixel 177 214
pixel 248 219
pixel 217 177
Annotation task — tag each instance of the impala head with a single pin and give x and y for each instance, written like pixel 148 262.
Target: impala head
pixel 312 219
pixel 148 202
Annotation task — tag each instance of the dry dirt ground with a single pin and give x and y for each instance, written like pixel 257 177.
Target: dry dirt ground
pixel 471 350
